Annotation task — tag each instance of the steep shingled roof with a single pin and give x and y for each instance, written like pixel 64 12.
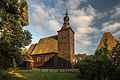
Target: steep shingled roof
pixel 111 41
pixel 31 49
pixel 46 45
pixel 26 56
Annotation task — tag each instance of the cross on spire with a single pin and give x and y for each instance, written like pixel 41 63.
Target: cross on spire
pixel 66 21
pixel 66 12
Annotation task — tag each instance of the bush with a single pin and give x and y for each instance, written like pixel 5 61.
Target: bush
pixel 104 65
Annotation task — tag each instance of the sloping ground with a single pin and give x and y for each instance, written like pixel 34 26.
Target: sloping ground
pixel 37 75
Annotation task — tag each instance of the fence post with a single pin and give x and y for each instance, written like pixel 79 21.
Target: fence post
pixel 48 70
pixel 58 70
pixel 40 70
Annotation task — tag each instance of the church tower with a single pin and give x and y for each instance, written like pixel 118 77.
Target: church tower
pixel 66 40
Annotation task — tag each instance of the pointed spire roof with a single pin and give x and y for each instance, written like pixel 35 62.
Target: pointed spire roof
pixel 66 13
pixel 111 41
pixel 66 21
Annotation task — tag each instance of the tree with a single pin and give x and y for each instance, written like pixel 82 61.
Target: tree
pixel 87 68
pixel 104 65
pixel 103 62
pixel 115 62
pixel 14 16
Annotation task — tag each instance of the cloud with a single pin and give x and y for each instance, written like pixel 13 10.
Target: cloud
pixel 83 20
pixel 73 4
pixel 113 27
pixel 89 10
pixel 39 16
pixel 117 35
pixel 101 15
pixel 54 25
pixel 115 12
pixel 110 26
pixel 83 40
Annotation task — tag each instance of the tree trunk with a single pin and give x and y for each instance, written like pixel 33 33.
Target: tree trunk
pixel 14 64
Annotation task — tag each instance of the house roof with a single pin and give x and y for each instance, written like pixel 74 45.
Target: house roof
pixel 46 45
pixel 26 56
pixel 111 41
pixel 30 49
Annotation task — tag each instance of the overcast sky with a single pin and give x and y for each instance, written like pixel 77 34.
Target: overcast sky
pixel 88 18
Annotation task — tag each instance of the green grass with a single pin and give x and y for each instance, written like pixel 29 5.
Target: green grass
pixel 37 75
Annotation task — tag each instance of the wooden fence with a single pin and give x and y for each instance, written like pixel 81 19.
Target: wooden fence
pixel 51 70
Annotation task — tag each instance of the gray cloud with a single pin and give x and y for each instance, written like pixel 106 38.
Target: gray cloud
pixel 115 12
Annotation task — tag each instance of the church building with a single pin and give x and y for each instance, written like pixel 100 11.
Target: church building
pixel 55 51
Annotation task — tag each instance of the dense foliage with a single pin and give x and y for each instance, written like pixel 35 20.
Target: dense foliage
pixel 13 17
pixel 104 65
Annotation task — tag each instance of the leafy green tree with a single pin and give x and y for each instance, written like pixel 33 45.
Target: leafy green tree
pixel 115 62
pixel 104 65
pixel 13 17
pixel 87 69
pixel 103 62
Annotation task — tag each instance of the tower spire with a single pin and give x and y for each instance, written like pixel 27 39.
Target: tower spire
pixel 66 13
pixel 66 21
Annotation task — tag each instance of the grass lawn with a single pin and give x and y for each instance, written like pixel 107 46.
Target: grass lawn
pixel 37 75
